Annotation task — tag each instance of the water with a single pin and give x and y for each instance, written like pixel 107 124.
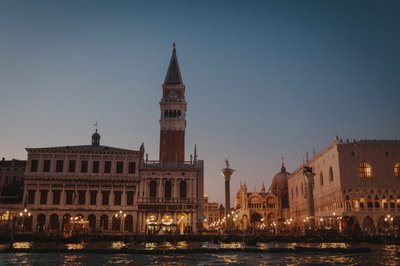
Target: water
pixel 380 255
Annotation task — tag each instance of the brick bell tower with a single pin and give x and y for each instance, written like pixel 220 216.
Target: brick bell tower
pixel 173 113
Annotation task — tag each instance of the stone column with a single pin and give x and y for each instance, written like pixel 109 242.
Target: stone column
pixel 227 173
pixel 309 176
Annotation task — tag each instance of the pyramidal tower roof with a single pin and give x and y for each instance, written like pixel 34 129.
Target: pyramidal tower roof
pixel 173 74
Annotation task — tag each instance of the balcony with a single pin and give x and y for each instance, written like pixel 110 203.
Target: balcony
pixel 172 201
pixel 149 164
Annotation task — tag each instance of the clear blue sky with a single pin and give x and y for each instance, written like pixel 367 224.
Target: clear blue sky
pixel 263 78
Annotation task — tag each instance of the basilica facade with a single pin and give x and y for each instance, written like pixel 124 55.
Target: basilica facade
pixel 264 211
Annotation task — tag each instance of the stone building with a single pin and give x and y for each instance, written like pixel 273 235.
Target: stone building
pixel 356 188
pixel 11 180
pixel 264 210
pixel 171 189
pixel 87 187
pixel 212 213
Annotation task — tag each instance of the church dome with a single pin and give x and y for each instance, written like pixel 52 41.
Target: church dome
pixel 279 185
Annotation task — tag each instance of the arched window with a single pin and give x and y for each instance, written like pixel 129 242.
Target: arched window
pixel 179 113
pixel 153 189
pixel 168 189
pixel 54 223
pixel 92 221
pixel 41 221
pixel 165 113
pixel 364 170
pixel 182 189
pixel 330 174
pixel 170 113
pixel 174 113
pixel 321 179
pixel 104 222
pixel 397 169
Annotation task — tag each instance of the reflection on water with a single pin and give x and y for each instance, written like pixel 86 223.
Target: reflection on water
pixel 118 245
pixel 22 245
pixel 150 246
pixel 334 245
pixel 76 246
pixel 232 245
pixel 380 255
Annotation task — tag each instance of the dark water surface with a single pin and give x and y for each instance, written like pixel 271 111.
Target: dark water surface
pixel 380 255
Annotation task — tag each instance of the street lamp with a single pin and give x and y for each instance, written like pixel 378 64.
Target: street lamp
pixel 389 220
pixel 120 215
pixel 23 214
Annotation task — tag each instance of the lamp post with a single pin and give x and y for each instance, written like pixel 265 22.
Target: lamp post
pixel 120 215
pixel 389 219
pixel 23 214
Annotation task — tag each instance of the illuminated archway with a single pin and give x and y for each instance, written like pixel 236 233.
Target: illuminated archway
pixel 182 223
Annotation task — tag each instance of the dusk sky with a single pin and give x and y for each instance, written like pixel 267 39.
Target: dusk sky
pixel 264 79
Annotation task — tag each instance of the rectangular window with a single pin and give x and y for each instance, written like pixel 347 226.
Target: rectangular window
pixel 105 197
pixel 46 166
pixel 14 180
pixel 59 166
pixel 71 166
pixel 117 197
pixel 96 167
pixel 129 198
pixel 56 196
pixel 84 166
pixel 69 199
pixel 93 197
pixel 132 167
pixel 120 167
pixel 81 197
pixel 43 196
pixel 107 167
pixel 6 180
pixel 34 165
pixel 31 196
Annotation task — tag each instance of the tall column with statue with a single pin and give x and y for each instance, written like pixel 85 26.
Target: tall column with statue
pixel 227 173
pixel 309 177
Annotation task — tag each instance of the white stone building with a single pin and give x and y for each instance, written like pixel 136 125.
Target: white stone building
pixel 356 188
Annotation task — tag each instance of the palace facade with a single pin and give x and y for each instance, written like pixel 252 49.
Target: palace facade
pixel 88 187
pixel 355 188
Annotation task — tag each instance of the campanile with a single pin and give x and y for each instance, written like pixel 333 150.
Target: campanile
pixel 173 113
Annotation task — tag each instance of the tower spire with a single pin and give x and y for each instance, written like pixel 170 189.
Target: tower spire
pixel 173 74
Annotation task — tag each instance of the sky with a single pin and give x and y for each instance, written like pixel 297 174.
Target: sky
pixel 264 79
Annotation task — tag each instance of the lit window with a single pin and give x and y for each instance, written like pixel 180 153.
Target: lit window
pixel 364 170
pixel 397 169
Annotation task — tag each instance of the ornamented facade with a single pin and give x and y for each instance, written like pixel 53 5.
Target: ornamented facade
pixel 87 187
pixel 356 188
pixel 265 210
